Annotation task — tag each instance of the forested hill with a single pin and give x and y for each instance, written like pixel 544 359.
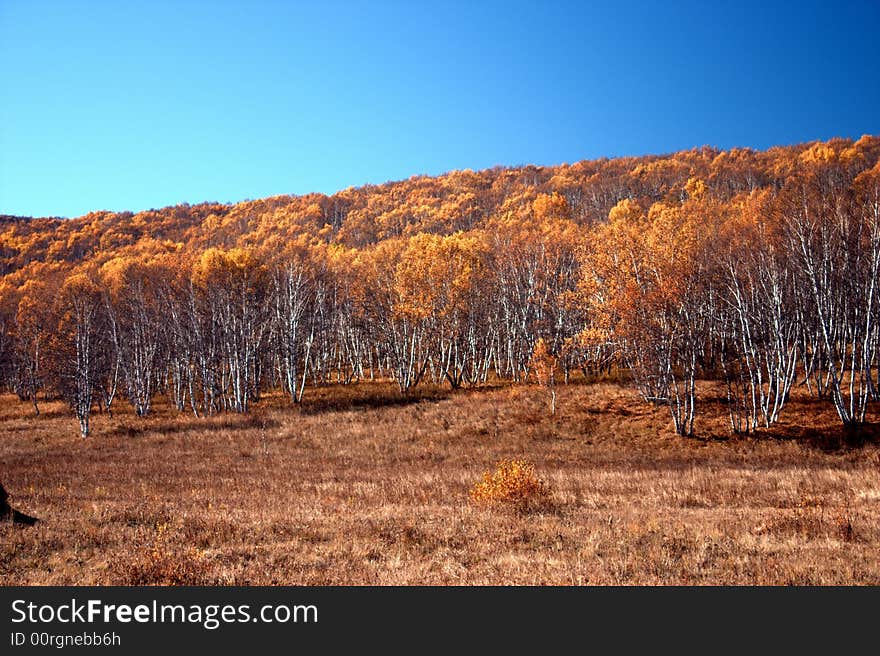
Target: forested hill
pixel 752 268
pixel 456 201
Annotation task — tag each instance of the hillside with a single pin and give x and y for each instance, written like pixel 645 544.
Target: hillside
pixel 752 268
pixel 459 200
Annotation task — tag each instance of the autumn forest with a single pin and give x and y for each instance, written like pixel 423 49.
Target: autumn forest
pixel 759 269
pixel 658 369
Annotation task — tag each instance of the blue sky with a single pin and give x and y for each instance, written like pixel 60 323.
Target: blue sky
pixel 132 105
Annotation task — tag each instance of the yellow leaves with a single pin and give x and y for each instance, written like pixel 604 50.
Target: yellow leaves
pixel 818 153
pixel 80 295
pixel 211 261
pixel 544 363
pixel 627 212
pixel 512 482
pixel 551 207
pixel 592 336
pixel 79 285
pixel 640 267
pixel 115 273
pixel 360 228
pixel 435 275
pixel 658 172
pixel 56 251
pixel 696 189
pixel 670 239
pixel 617 247
pixel 227 268
pixel 746 221
pixel 868 182
pixel 852 156
pixel 34 304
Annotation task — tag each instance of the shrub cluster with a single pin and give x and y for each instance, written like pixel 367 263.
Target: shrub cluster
pixel 513 482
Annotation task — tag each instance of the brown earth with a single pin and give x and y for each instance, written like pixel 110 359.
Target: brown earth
pixel 359 486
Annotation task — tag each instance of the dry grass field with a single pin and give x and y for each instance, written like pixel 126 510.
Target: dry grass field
pixel 358 486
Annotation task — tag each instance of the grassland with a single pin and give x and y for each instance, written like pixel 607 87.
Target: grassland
pixel 359 486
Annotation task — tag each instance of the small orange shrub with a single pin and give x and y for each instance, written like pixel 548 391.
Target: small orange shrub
pixel 513 482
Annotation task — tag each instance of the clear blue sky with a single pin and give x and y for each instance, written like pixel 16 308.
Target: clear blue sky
pixel 131 105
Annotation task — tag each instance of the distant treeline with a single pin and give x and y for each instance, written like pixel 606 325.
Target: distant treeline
pixel 759 269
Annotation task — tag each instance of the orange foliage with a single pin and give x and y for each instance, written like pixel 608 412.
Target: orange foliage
pixel 512 482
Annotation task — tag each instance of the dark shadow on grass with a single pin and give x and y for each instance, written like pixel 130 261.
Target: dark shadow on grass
pixel 835 439
pixel 216 422
pixel 372 399
pixel 710 437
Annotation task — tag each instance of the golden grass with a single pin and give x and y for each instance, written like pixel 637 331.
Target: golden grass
pixel 359 486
